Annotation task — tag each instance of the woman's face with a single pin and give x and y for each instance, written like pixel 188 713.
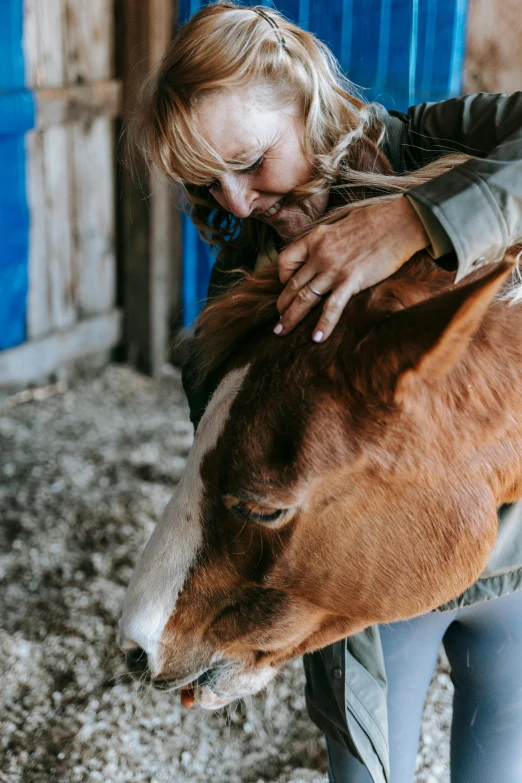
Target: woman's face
pixel 239 125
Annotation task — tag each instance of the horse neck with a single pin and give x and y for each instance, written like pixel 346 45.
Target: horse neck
pixel 484 395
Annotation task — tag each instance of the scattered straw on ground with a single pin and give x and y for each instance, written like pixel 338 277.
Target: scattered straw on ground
pixel 84 476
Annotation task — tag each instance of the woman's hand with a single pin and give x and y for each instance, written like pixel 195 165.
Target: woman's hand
pixel 346 257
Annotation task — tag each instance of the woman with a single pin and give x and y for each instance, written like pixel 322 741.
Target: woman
pixel 252 116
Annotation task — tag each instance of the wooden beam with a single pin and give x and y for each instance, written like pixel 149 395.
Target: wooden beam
pixel 149 219
pixel 77 103
pixel 34 361
pixel 493 63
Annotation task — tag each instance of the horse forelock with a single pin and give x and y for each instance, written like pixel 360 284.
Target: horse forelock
pixel 229 318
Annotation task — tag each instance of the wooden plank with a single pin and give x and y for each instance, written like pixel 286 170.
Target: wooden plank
pixel 44 34
pixel 89 40
pixel 85 102
pixel 150 224
pixel 494 33
pixel 37 359
pixel 58 207
pixel 31 44
pixel 94 222
pixel 38 306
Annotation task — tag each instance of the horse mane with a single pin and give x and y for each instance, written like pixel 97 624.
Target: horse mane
pixel 228 319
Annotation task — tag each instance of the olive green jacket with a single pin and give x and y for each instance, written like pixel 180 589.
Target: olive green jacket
pixel 472 214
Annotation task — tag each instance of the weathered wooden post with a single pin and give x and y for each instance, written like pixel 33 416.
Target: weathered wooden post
pixel 149 223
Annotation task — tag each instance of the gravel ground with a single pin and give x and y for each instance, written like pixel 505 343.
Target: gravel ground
pixel 84 476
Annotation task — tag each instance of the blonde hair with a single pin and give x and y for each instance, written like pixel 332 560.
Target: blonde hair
pixel 225 45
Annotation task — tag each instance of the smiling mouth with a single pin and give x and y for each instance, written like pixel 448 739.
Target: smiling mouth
pixel 273 211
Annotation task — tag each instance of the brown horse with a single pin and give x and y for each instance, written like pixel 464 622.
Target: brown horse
pixel 331 486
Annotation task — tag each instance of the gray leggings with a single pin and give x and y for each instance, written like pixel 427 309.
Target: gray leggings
pixel 483 643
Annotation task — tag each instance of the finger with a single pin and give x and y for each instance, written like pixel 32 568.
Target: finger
pixel 304 301
pixel 291 258
pixel 305 275
pixel 332 311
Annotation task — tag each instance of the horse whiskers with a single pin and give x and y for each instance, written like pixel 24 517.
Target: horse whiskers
pixel 139 690
pixel 119 676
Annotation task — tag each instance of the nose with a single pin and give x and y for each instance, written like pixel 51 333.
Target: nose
pixel 137 661
pixel 235 195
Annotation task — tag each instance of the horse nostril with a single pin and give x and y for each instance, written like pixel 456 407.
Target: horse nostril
pixel 136 661
pixel 206 678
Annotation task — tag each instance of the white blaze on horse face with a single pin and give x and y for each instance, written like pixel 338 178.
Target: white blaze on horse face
pixel 161 571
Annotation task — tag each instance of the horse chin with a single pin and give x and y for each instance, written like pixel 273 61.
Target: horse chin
pixel 228 686
pixel 208 700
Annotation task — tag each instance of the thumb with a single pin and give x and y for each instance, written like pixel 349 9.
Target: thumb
pixel 291 258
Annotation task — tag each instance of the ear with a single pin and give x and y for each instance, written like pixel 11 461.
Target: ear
pixel 439 329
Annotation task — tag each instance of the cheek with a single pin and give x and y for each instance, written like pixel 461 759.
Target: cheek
pixel 297 169
pixel 252 617
pixel 298 164
pixel 286 168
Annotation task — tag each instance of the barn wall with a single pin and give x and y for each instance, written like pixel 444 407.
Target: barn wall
pixel 68 46
pixel 16 116
pixel 71 191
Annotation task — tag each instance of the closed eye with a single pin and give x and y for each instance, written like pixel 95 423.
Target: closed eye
pixel 215 184
pixel 255 165
pixel 247 513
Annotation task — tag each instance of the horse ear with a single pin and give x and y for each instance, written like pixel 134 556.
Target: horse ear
pixel 439 329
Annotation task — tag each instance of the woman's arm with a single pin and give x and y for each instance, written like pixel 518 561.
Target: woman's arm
pixel 475 209
pixel 478 204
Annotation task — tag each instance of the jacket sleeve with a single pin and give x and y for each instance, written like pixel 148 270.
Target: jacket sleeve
pixel 478 205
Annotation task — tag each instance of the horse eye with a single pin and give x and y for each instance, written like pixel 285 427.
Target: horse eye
pixel 243 511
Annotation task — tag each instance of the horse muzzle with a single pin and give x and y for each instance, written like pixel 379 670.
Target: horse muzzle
pixel 210 687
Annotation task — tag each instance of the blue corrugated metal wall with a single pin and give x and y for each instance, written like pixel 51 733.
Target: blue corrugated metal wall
pixel 16 116
pixel 402 51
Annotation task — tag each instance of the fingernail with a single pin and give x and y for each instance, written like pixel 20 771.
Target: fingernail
pixel 318 336
pixel 278 329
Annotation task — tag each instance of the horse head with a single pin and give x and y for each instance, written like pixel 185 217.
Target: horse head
pixel 330 486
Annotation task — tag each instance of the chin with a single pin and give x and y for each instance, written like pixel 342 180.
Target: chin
pixel 229 685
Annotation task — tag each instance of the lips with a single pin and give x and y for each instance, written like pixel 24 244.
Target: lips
pixel 188 696
pixel 272 212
